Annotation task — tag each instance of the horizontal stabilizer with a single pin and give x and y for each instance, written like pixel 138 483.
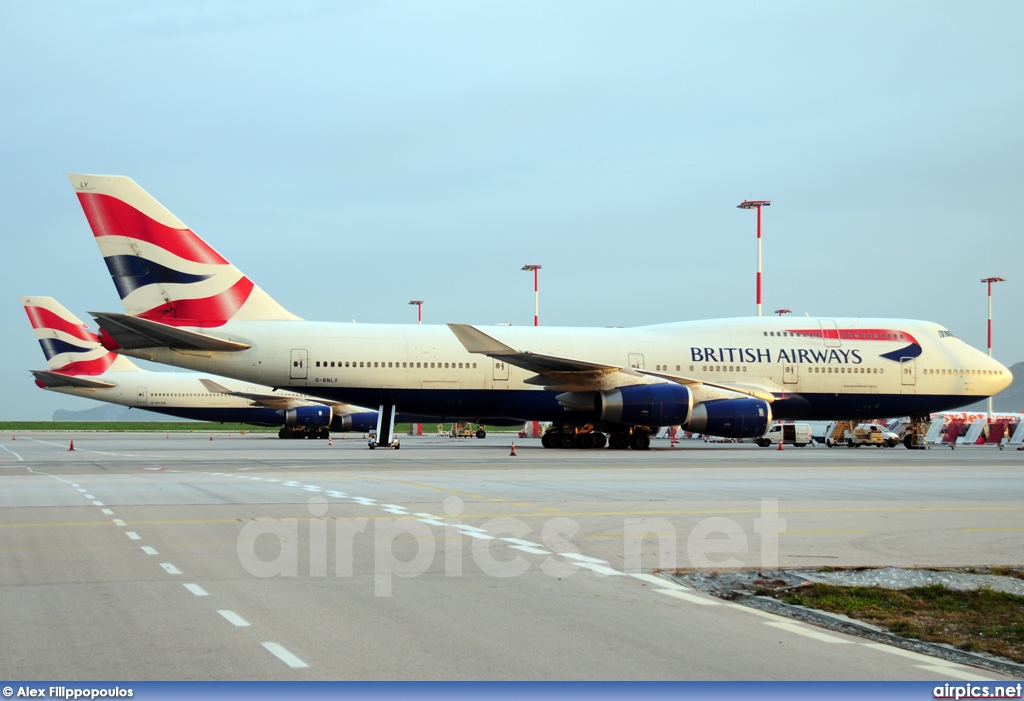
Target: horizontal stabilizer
pixel 56 379
pixel 133 333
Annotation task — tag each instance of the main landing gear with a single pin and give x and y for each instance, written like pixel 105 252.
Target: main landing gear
pixel 585 438
pixel 304 432
pixel 385 435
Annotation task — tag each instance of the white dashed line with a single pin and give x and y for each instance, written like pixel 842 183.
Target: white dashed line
pixel 312 488
pixel 234 618
pixel 171 569
pixel 532 551
pixel 108 512
pixel 336 494
pixel 97 503
pixel 364 501
pixel 83 491
pixel 149 551
pixel 516 541
pixel 196 589
pixel 292 483
pixel 13 453
pixel 73 484
pixel 688 597
pixel 800 630
pixel 600 569
pixel 118 522
pixel 133 535
pixel 660 581
pixel 288 658
pixel 432 521
pixel 88 496
pixel 584 558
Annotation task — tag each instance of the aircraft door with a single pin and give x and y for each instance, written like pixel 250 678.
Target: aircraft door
pixel 830 333
pixel 300 361
pixel 142 395
pixel 790 373
pixel 636 360
pixel 500 369
pixel 908 368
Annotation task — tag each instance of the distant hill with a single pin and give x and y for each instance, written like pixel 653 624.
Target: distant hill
pixel 111 412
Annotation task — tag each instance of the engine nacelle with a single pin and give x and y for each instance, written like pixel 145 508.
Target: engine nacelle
pixel 646 405
pixel 731 418
pixel 317 415
pixel 363 422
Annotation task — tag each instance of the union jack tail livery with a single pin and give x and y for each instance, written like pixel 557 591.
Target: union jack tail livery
pixel 70 347
pixel 163 271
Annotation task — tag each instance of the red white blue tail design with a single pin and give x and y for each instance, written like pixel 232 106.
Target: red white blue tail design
pixel 162 270
pixel 70 347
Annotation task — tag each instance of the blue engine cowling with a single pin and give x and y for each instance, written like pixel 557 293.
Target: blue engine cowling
pixel 363 422
pixel 646 405
pixel 731 418
pixel 316 415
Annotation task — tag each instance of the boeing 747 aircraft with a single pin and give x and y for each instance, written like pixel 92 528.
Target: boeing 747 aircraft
pixel 188 306
pixel 79 365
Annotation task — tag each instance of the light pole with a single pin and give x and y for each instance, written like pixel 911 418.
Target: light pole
pixel 419 310
pixel 536 292
pixel 990 280
pixel 780 312
pixel 757 204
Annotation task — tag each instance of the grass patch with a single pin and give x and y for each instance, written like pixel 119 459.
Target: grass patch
pixel 978 621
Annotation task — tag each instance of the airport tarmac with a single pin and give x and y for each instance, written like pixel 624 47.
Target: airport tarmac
pixel 148 556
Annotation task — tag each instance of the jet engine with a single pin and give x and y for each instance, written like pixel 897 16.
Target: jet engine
pixel 363 422
pixel 731 418
pixel 646 405
pixel 317 415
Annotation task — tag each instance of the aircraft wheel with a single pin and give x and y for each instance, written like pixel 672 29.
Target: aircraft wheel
pixel 284 434
pixel 600 440
pixel 549 439
pixel 480 433
pixel 618 441
pixel 585 441
pixel 640 441
pixel 567 440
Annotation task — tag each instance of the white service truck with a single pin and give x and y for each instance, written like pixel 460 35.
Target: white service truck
pixel 790 434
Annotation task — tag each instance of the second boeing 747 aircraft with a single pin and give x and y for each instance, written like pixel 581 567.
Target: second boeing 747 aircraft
pixel 188 306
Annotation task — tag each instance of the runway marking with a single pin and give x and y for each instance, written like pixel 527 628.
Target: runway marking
pixel 196 589
pixel 149 551
pixel 21 459
pixel 601 569
pixel 909 653
pixel 234 618
pixel 83 491
pixel 365 501
pixel 688 597
pixel 583 558
pixel 118 522
pixel 955 673
pixel 88 496
pixel 982 530
pixel 312 488
pixel 336 494
pixel 278 651
pixel 97 503
pixel 800 630
pixel 171 569
pixel 655 579
pixel 532 551
pixel 824 531
pixel 517 541
pixel 73 484
pixel 133 535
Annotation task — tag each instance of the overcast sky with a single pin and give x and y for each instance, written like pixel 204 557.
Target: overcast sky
pixel 352 156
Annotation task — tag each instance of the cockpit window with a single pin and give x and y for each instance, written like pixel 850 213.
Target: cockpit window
pixel 945 334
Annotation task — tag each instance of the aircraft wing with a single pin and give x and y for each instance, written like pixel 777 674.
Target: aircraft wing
pixel 56 379
pixel 134 333
pixel 563 374
pixel 277 401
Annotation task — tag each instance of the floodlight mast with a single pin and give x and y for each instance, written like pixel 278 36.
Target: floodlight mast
pixel 990 280
pixel 419 310
pixel 757 204
pixel 536 291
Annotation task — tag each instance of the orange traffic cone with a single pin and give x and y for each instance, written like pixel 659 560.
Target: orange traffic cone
pixel 72 445
pixel 343 436
pixel 513 449
pixel 211 438
pixel 330 441
pixel 780 445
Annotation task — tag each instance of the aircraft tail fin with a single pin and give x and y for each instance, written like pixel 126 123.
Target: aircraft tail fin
pixel 162 270
pixel 68 344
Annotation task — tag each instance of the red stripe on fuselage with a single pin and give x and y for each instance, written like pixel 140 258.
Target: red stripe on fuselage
pixel 42 318
pixel 206 312
pixel 109 216
pixel 858 334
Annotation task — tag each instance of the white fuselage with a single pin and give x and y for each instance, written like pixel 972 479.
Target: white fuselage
pixel 816 368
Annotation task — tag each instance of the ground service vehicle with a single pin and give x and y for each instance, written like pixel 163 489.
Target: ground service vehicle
pixel 790 434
